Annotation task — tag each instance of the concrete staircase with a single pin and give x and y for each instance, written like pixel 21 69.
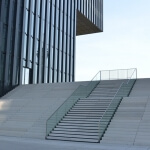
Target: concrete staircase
pixel 131 122
pixel 81 122
pixel 24 110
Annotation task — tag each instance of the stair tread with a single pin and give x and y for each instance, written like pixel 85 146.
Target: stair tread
pixel 78 124
pixel 75 135
pixel 80 119
pixel 75 132
pixel 72 139
pixel 78 127
pixel 83 121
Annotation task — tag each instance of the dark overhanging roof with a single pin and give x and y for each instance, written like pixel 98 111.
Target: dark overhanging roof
pixel 85 26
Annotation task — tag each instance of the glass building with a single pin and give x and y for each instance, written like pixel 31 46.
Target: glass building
pixel 37 39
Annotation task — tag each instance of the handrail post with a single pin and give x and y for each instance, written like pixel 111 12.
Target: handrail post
pixel 118 74
pixel 100 75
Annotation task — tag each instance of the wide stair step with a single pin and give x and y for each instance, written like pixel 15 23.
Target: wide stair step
pixel 78 124
pixel 78 139
pixel 78 127
pixel 76 132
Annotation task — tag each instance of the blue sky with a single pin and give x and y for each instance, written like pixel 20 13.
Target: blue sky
pixel 124 43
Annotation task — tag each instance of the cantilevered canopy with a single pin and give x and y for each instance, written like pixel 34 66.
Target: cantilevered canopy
pixel 85 26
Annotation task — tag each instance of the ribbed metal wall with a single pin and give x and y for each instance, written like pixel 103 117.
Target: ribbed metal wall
pixel 11 19
pixel 37 40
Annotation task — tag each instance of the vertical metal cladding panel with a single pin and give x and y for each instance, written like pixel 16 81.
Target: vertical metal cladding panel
pixel 24 32
pixel 67 42
pixel 30 33
pixel 74 40
pixel 59 47
pixel 47 28
pixel 52 35
pixel 64 40
pixel 9 53
pixel 1 62
pixel 35 63
pixel 6 77
pixel 101 9
pixel 73 33
pixel 42 41
pixel 5 32
pixel 17 39
pixel 0 8
pixel 60 34
pixel 68 34
pixel 55 54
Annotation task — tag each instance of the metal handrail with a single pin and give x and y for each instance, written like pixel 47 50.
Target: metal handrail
pixel 135 70
pixel 114 70
pixel 96 75
pixel 109 105
pixel 68 98
pixel 133 74
pixel 64 102
pixel 84 92
pixel 112 100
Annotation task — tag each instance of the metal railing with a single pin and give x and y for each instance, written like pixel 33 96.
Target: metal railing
pixel 123 90
pixel 117 74
pixel 81 92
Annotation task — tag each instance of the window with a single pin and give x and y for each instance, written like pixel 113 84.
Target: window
pixel 37 50
pixel 37 27
pixel 27 4
pixel 33 6
pixel 25 46
pixel 20 18
pixel 26 21
pixel 32 24
pixel 43 9
pixel 42 30
pixel 38 7
pixel 4 37
pixel 30 48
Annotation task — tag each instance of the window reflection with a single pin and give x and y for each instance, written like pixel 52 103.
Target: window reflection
pixel 37 27
pixel 38 7
pixel 31 48
pixel 31 24
pixel 26 21
pixel 25 46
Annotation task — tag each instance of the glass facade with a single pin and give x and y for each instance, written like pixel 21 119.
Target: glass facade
pixel 37 39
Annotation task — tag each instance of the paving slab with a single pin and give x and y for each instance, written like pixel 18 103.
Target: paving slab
pixel 13 143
